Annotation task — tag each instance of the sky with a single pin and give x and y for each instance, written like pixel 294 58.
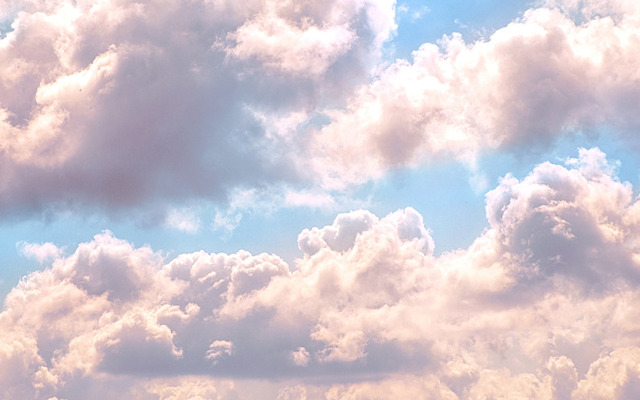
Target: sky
pixel 336 199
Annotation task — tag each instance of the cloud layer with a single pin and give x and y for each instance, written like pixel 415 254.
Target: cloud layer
pixel 118 105
pixel 543 305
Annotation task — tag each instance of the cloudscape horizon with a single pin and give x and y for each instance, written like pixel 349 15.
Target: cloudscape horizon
pixel 337 199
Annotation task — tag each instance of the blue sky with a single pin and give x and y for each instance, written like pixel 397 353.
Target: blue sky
pixel 319 200
pixel 428 21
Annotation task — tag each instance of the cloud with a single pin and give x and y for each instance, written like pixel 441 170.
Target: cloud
pixel 141 109
pixel 543 304
pixel 552 215
pixel 615 375
pixel 190 388
pixel 219 349
pixel 309 199
pixel 184 220
pixel 119 105
pixel 254 202
pixel 277 45
pixel 413 14
pixel 147 107
pixel 300 356
pixel 41 252
pixel 136 342
pixel 539 78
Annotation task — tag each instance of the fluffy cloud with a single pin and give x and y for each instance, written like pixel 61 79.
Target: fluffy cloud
pixel 118 104
pixel 543 305
pixel 544 75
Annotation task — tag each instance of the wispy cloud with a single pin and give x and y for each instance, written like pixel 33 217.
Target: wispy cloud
pixel 185 220
pixel 40 251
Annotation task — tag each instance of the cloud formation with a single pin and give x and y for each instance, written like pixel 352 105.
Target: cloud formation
pixel 542 305
pixel 559 69
pixel 120 104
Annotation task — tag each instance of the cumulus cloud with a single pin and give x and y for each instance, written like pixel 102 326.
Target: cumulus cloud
pixel 121 104
pixel 542 305
pixel 543 76
pixel 277 45
pixel 117 105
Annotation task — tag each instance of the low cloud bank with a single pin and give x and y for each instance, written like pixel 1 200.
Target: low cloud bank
pixel 543 305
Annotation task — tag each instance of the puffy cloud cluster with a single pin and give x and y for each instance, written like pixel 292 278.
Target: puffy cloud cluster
pixel 116 104
pixel 543 305
pixel 566 67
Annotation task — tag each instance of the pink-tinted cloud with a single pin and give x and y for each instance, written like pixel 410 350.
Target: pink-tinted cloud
pixel 543 76
pixel 119 104
pixel 542 305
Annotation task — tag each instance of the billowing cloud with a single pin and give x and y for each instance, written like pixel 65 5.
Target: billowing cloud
pixel 119 104
pixel 557 70
pixel 146 107
pixel 543 305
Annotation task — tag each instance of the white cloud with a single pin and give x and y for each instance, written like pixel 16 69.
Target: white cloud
pixel 300 356
pixel 146 107
pixel 309 199
pixel 184 220
pixel 292 393
pixel 543 304
pixel 413 13
pixel 291 49
pixel 614 375
pixel 123 106
pixel 219 349
pixel 190 388
pixel 531 82
pixel 241 202
pixel 41 252
pixel 119 105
